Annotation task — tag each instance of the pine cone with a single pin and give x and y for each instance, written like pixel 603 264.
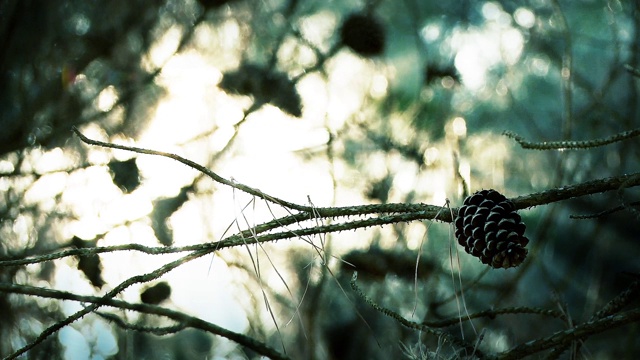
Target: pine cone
pixel 364 34
pixel 490 229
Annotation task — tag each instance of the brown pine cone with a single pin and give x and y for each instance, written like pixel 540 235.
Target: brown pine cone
pixel 490 229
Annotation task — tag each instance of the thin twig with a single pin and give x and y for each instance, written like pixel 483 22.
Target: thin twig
pixel 155 330
pixel 90 308
pixel 408 323
pixel 491 313
pixel 604 212
pixel 395 213
pixel 619 301
pixel 624 202
pixel 180 317
pixel 612 307
pixel 571 144
pixel 566 336
pixel 196 166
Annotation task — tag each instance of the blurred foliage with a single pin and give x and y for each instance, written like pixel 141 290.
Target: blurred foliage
pixel 412 112
pixel 126 174
pixel 264 86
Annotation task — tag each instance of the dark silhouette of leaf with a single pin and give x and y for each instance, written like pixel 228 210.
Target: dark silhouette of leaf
pixel 90 265
pixel 125 174
pixel 265 86
pixel 162 210
pixel 156 294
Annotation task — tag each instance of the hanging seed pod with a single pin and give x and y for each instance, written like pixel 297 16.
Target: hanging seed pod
pixel 364 34
pixel 489 228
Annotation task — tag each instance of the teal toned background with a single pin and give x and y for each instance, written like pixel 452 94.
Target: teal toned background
pixel 267 94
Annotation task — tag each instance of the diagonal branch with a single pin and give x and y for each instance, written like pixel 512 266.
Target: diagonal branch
pixel 563 337
pixel 198 167
pixel 182 318
pixel 389 214
pixel 577 190
pixel 571 144
pixel 123 285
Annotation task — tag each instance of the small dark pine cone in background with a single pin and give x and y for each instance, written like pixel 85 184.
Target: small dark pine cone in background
pixel 490 229
pixel 364 34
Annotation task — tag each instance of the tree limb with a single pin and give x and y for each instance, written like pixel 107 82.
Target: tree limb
pixel 182 318
pixel 563 337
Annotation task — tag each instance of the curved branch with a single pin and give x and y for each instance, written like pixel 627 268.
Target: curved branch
pixel 196 166
pixel 123 285
pixel 491 313
pixel 408 323
pixel 563 337
pixel 391 213
pixel 182 318
pixel 571 144
pixel 573 191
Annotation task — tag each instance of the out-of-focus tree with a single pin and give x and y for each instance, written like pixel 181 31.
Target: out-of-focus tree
pixel 374 116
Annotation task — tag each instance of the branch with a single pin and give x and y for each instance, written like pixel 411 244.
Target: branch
pixel 571 144
pixel 408 323
pixel 160 331
pixel 545 197
pixel 573 191
pixel 390 213
pixel 182 318
pixel 395 213
pixel 563 337
pixel 123 285
pixel 491 313
pixel 198 167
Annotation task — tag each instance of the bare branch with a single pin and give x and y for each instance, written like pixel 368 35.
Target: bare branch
pixel 196 166
pixel 180 317
pixel 164 330
pixel 391 213
pixel 410 324
pixel 571 144
pixel 125 284
pixel 563 337
pixel 491 313
pixel 573 191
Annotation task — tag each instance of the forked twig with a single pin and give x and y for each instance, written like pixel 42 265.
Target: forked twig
pixel 180 317
pixel 109 295
pixel 566 336
pixel 408 323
